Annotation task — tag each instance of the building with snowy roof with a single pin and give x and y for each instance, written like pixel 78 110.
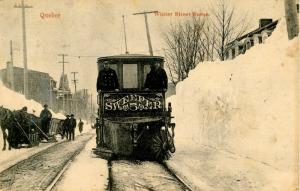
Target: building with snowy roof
pixel 245 42
pixel 41 86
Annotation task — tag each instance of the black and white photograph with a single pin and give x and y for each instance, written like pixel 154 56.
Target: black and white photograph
pixel 148 95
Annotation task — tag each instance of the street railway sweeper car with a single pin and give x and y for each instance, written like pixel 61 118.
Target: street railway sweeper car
pixel 133 122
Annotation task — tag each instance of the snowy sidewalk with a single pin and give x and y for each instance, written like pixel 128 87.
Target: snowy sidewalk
pixel 10 157
pixel 211 169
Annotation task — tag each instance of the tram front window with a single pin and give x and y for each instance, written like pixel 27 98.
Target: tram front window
pixel 130 76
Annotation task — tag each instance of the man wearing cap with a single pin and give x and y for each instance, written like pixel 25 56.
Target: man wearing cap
pixel 45 118
pixel 107 78
pixel 157 78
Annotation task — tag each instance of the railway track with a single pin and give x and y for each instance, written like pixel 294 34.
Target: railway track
pixel 42 170
pixel 143 175
pixel 178 178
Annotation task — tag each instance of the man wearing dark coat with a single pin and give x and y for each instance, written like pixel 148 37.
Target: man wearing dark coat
pixel 107 79
pixel 72 126
pixel 65 127
pixel 157 78
pixel 80 125
pixel 21 127
pixel 45 118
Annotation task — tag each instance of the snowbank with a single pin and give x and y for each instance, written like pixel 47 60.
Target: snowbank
pixel 247 106
pixel 15 101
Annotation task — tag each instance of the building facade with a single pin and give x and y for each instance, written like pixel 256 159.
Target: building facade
pixel 245 42
pixel 41 86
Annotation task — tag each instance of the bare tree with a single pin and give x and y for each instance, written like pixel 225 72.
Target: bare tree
pixel 185 47
pixel 201 39
pixel 226 25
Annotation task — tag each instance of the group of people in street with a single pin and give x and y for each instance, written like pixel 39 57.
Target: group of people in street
pixel 69 125
pixel 156 79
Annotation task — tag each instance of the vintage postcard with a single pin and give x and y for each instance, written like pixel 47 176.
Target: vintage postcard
pixel 125 95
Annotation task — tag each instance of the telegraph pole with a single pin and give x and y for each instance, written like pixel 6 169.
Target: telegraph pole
pixel 147 28
pixel 63 78
pixel 91 108
pixel 291 17
pixel 50 93
pixel 23 7
pixel 75 81
pixel 125 35
pixel 12 67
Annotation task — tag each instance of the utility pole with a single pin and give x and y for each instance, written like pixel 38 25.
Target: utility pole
pixel 75 81
pixel 12 67
pixel 291 17
pixel 50 93
pixel 63 78
pixel 23 7
pixel 147 28
pixel 91 108
pixel 125 35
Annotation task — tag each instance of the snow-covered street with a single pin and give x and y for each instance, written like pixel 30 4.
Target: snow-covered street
pixel 142 175
pixel 39 171
pixel 86 172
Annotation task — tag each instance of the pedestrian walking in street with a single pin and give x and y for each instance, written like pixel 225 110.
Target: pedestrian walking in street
pixel 72 127
pixel 80 125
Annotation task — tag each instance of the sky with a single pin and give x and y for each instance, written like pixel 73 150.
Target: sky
pixel 87 29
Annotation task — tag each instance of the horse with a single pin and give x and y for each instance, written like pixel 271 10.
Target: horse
pixel 15 127
pixel 5 123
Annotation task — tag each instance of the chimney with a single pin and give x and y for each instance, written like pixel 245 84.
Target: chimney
pixel 264 22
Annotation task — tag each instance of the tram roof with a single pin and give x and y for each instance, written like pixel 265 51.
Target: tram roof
pixel 137 57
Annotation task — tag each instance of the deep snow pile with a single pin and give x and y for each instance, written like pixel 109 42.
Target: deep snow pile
pixel 15 101
pixel 247 106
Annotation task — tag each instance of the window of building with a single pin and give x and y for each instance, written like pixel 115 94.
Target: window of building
pixel 233 53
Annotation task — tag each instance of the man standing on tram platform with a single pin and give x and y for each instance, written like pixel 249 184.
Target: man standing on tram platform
pixel 107 78
pixel 157 78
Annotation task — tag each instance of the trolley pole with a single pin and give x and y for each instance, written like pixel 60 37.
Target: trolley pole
pixel 125 35
pixel 23 7
pixel 63 79
pixel 147 28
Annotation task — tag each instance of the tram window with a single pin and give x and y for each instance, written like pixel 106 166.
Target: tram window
pixel 146 71
pixel 130 76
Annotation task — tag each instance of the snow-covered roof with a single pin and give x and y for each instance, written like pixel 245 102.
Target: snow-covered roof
pixel 15 101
